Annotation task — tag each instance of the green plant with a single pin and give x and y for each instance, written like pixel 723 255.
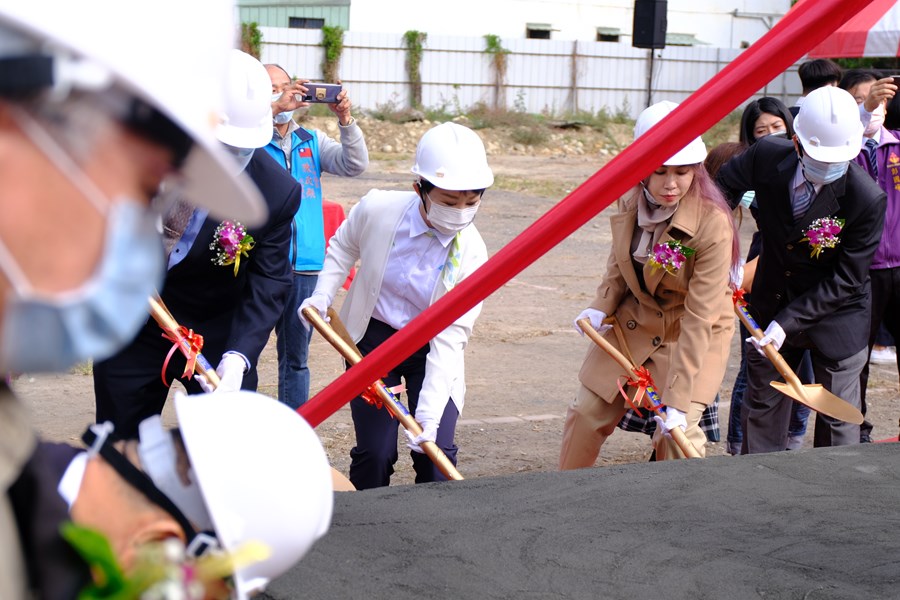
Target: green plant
pixel 251 39
pixel 494 48
pixel 529 136
pixel 333 42
pixel 413 41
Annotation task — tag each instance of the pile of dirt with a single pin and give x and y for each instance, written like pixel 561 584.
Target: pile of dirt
pixel 562 139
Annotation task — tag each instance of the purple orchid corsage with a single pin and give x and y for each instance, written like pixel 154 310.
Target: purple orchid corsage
pixel 669 256
pixel 230 242
pixel 823 233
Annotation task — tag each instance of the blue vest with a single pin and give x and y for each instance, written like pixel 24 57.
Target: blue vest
pixel 307 252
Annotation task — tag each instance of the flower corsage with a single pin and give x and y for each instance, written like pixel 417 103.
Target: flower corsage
pixel 823 233
pixel 230 242
pixel 669 256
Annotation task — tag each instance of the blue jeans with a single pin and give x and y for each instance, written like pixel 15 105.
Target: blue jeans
pixel 293 345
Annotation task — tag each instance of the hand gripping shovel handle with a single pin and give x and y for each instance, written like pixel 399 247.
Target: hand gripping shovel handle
pixel 814 396
pixel 740 307
pixel 345 346
pixel 677 434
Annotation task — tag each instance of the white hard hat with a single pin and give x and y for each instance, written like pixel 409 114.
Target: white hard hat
pixel 263 474
pixel 169 54
pixel 452 157
pixel 247 118
pixel 693 153
pixel 828 127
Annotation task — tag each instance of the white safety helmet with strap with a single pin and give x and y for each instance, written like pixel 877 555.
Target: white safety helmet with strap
pixel 169 56
pixel 263 475
pixel 247 118
pixel 452 157
pixel 693 153
pixel 828 126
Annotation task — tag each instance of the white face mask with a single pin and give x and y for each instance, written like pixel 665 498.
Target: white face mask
pixel 875 122
pixel 282 117
pixel 53 332
pixel 822 173
pixel 449 220
pixel 242 155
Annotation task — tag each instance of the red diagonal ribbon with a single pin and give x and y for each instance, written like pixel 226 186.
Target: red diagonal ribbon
pixel 738 296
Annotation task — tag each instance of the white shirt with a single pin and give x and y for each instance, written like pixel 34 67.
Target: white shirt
pixel 413 266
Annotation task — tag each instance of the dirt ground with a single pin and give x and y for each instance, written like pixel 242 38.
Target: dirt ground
pixel 524 355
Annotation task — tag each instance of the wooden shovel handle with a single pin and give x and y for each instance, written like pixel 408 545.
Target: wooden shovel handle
pixel 771 353
pixel 345 346
pixel 160 313
pixel 677 434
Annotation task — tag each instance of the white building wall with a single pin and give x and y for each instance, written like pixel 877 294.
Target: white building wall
pixel 552 76
pixel 711 21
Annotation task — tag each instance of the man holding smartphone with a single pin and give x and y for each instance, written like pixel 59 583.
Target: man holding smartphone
pixel 306 154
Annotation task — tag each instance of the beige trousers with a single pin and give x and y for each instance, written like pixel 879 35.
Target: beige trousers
pixel 591 419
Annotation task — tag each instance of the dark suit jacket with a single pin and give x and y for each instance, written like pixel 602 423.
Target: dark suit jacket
pixel 238 312
pixel 819 302
pixel 230 312
pixel 55 570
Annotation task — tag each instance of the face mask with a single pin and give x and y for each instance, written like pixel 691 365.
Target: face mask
pixel 159 458
pixel 875 122
pixel 449 220
pixel 821 173
pixel 53 332
pixel 781 134
pixel 651 201
pixel 242 155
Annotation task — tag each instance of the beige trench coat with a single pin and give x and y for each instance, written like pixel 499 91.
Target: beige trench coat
pixel 680 327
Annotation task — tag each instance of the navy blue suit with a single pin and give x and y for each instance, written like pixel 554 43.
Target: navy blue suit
pixel 230 312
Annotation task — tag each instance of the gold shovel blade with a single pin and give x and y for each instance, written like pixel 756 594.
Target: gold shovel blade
pixel 821 400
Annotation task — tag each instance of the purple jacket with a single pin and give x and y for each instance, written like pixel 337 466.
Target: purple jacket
pixel 888 158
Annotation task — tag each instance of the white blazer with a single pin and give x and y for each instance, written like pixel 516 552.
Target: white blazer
pixel 368 235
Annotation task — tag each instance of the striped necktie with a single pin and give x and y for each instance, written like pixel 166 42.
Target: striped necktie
pixel 872 157
pixel 803 196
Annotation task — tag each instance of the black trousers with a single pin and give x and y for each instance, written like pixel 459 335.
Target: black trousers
pixel 372 459
pixel 885 310
pixel 128 387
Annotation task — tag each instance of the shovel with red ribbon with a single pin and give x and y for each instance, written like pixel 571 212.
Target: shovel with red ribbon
pixel 186 340
pixel 642 380
pixel 378 393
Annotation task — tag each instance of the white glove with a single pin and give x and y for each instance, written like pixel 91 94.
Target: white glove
pixel 596 317
pixel 320 302
pixel 774 335
pixel 231 374
pixel 429 434
pixel 674 418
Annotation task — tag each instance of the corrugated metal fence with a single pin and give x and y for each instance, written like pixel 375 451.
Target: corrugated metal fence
pixel 555 77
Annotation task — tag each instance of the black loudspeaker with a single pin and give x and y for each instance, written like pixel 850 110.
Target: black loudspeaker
pixel 649 29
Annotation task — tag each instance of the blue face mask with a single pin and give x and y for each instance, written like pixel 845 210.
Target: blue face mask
pixel 821 173
pixel 53 332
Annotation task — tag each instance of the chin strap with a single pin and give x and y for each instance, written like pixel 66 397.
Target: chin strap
pixel 24 75
pixel 97 438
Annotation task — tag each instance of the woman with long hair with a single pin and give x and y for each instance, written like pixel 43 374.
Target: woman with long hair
pixel 666 287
